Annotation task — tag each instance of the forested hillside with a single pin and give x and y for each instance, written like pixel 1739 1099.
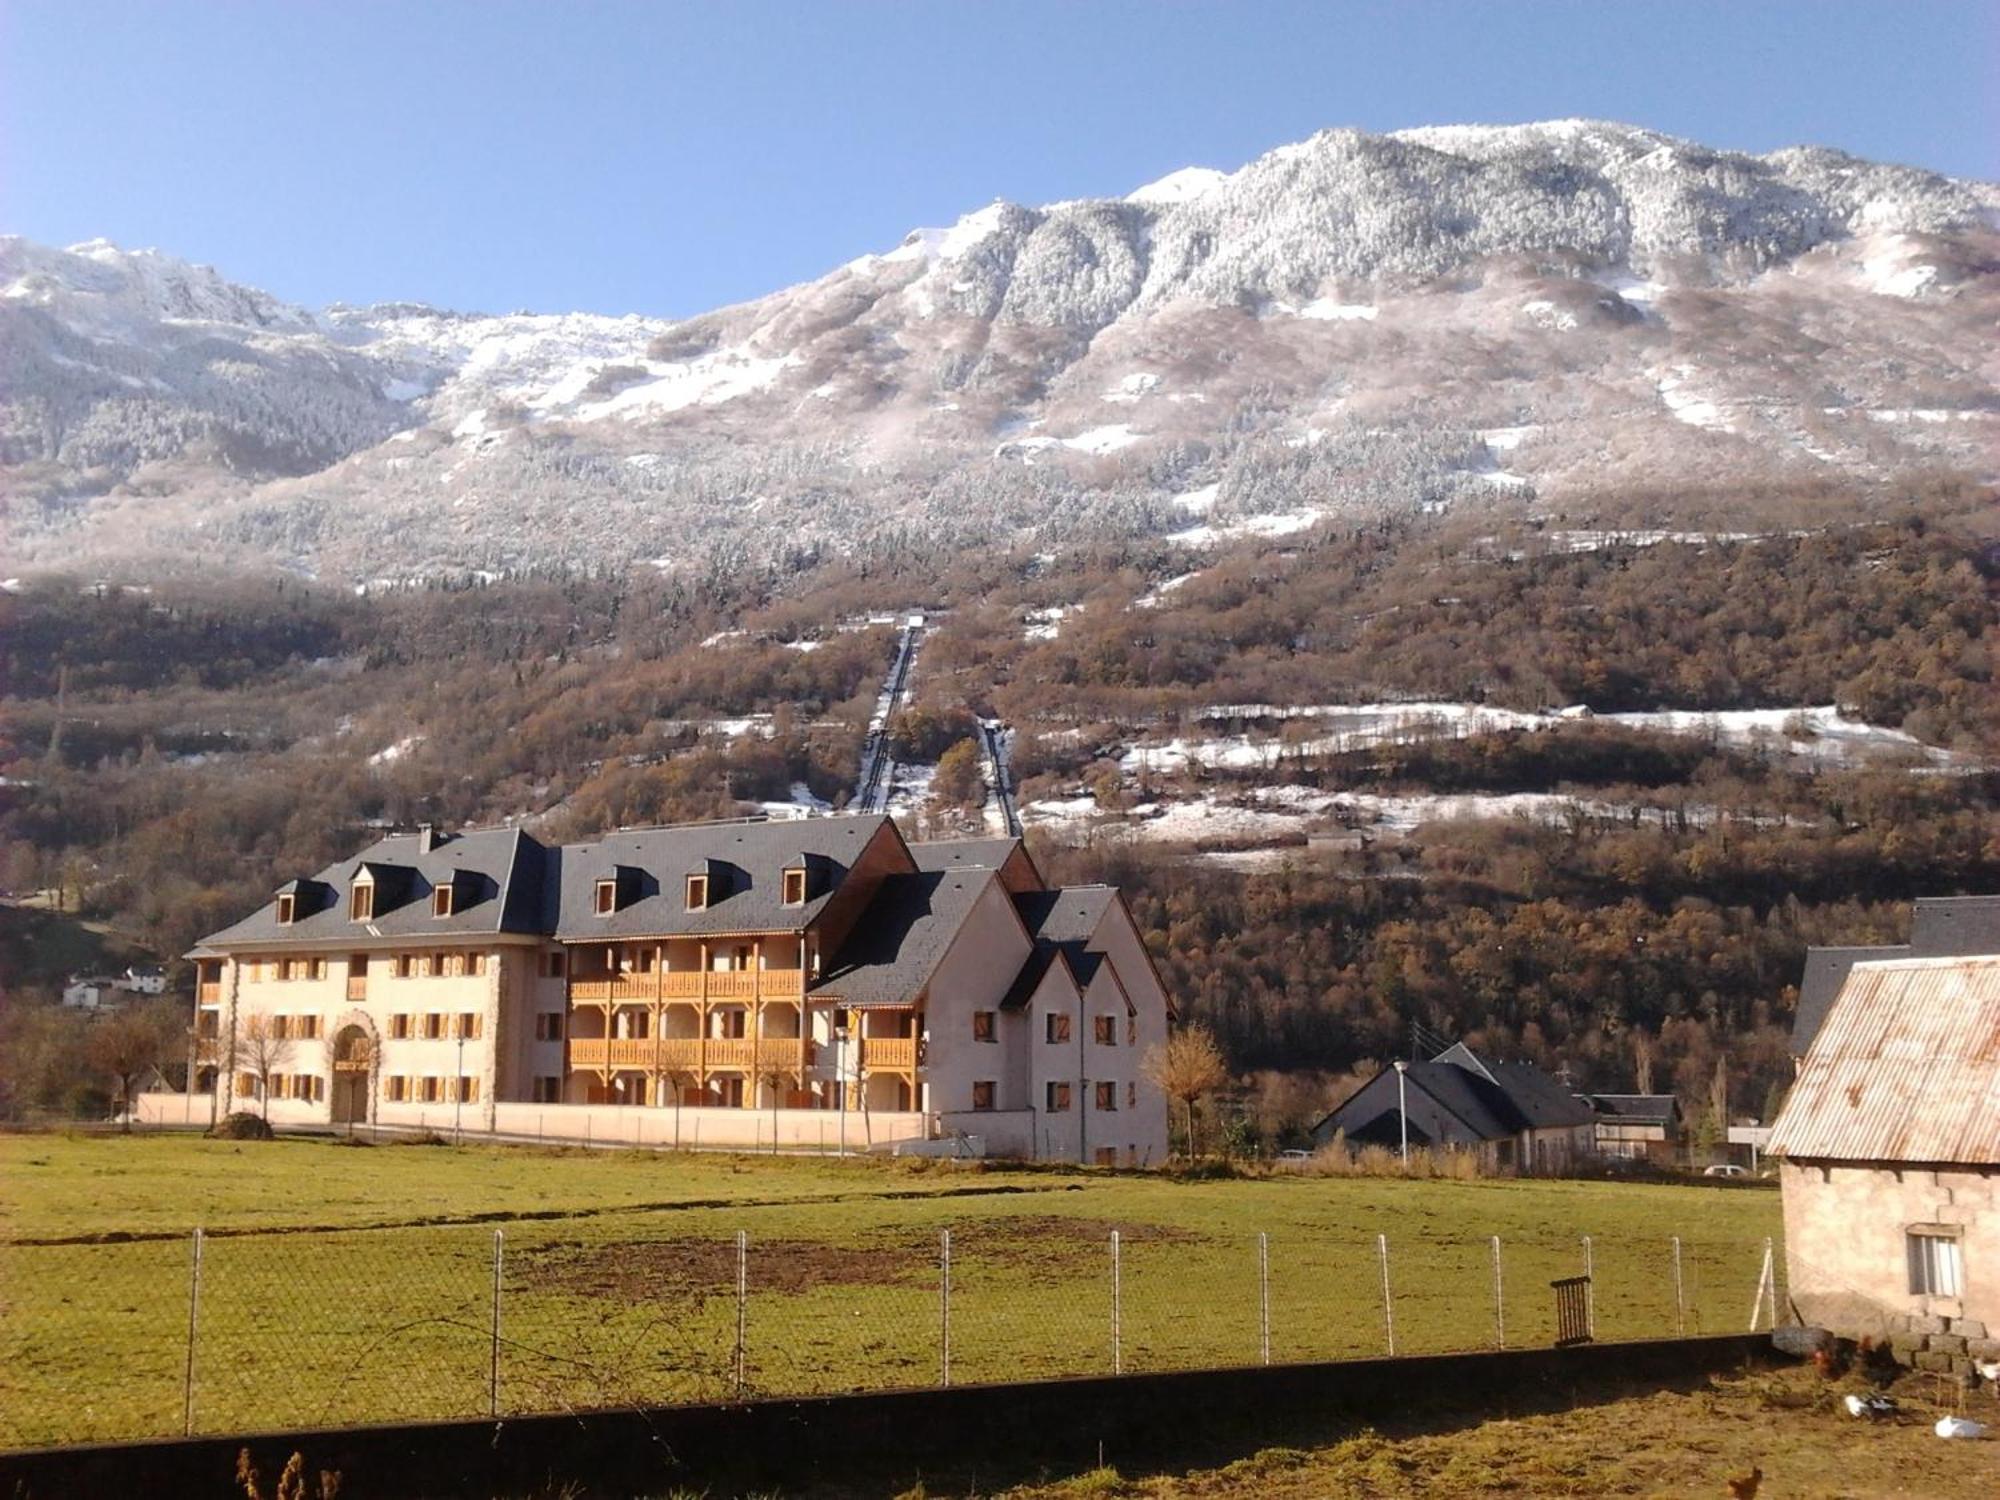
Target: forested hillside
pixel 174 752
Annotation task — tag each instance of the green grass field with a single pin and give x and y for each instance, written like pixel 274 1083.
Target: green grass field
pixel 344 1284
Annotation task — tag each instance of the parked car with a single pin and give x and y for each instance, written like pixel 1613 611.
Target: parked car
pixel 1723 1169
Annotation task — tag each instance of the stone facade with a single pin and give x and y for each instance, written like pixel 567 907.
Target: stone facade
pixel 1847 1228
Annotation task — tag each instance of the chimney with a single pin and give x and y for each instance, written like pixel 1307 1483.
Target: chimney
pixel 427 838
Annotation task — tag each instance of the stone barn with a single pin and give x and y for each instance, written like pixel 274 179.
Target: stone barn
pixel 1889 1150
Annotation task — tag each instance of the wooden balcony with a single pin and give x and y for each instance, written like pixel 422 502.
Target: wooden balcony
pixel 734 986
pixel 897 1052
pixel 209 992
pixel 685 1053
pixel 357 987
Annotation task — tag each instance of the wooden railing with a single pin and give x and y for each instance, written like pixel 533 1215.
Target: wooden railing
pixel 357 987
pixel 209 992
pixel 686 1053
pixel 690 984
pixel 889 1052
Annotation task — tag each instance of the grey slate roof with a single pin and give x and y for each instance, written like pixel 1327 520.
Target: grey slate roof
pixel 1543 1102
pixel 1068 915
pixel 498 875
pixel 947 854
pixel 1955 926
pixel 745 860
pixel 902 937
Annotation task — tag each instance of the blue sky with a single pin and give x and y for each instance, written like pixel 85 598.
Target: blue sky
pixel 665 158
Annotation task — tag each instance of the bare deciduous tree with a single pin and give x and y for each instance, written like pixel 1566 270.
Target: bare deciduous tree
pixel 127 1045
pixel 262 1052
pixel 1642 1060
pixel 1188 1066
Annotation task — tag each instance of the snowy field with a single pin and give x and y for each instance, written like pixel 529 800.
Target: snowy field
pixel 1818 733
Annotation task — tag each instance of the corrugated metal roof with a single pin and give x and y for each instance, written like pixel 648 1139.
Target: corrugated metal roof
pixel 1905 1068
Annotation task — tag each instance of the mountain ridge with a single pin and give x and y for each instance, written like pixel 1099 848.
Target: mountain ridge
pixel 1336 326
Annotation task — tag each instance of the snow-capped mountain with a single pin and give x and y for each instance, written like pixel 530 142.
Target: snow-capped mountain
pixel 1440 317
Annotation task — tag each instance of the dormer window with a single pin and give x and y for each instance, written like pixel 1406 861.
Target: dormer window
pixel 441 900
pixel 795 887
pixel 606 897
pixel 361 900
pixel 697 892
pixel 287 908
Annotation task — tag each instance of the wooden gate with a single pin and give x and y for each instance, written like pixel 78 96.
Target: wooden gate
pixel 1572 1310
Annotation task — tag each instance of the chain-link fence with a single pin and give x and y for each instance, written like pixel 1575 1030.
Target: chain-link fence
pixel 221 1333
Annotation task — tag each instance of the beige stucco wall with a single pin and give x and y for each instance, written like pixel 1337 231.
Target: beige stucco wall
pixel 1117 936
pixel 1846 1258
pixel 975 974
pixel 503 998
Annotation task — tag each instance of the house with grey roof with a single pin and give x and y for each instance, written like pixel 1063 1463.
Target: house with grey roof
pixel 1514 1116
pixel 804 984
pixel 1637 1127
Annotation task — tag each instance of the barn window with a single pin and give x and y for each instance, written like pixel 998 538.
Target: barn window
pixel 361 901
pixel 697 892
pixel 607 897
pixel 1936 1268
pixel 440 900
pixel 287 904
pixel 795 887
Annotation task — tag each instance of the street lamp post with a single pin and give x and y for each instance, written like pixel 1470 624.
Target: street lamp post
pixel 1403 1108
pixel 840 1073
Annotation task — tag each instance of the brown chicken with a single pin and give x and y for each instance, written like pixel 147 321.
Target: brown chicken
pixel 1744 1486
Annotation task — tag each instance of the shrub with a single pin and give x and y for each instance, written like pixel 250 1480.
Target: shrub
pixel 242 1126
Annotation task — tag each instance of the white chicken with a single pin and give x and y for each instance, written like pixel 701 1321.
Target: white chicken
pixel 1989 1370
pixel 1871 1406
pixel 1960 1427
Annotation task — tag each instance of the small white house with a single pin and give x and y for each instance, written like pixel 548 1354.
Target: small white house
pixel 94 992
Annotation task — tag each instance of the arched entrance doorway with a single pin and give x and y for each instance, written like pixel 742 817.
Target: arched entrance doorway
pixel 353 1061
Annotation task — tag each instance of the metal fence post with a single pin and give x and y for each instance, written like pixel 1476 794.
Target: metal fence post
pixel 742 1303
pixel 1388 1303
pixel 1264 1296
pixel 493 1371
pixel 1117 1310
pixel 1499 1300
pixel 944 1307
pixel 1680 1296
pixel 1589 1288
pixel 1770 1284
pixel 194 1325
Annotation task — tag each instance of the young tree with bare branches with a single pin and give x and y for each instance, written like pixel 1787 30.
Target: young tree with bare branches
pixel 1189 1066
pixel 262 1052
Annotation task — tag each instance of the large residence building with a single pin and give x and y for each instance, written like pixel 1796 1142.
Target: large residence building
pixel 811 983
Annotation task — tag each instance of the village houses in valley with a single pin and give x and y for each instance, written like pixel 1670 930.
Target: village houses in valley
pixel 812 983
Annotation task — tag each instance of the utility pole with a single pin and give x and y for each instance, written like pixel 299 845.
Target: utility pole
pixel 1403 1107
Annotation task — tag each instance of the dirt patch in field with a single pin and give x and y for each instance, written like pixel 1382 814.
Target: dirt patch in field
pixel 688 1270
pixel 692 1269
